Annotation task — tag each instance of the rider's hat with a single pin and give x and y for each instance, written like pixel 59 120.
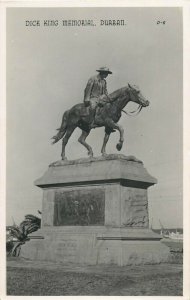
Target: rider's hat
pixel 104 70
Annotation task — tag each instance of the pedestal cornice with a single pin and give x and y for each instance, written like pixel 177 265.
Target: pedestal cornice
pixel 127 170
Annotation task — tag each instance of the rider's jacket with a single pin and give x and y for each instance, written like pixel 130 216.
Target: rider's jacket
pixel 95 88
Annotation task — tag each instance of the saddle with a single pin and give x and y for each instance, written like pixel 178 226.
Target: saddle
pixel 90 114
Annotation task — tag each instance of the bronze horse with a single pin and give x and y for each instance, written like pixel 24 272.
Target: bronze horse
pixel 108 116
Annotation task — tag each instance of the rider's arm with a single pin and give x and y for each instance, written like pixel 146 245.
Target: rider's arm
pixel 106 93
pixel 88 90
pixel 105 89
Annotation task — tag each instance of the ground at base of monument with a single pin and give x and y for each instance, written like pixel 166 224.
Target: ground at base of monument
pixel 34 278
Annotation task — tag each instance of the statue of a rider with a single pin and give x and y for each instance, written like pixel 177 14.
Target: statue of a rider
pixel 95 94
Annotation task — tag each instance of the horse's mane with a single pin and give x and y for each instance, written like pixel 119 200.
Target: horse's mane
pixel 114 95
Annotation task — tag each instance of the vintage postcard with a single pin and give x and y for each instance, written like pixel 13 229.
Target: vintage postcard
pixel 95 151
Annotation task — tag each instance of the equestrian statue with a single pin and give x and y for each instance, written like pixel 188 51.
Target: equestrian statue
pixel 98 110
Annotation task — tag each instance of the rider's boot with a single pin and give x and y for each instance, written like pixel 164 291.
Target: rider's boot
pixel 93 117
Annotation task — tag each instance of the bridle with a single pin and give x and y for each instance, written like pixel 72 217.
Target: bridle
pixel 134 112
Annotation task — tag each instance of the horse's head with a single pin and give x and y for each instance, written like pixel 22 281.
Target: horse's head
pixel 136 96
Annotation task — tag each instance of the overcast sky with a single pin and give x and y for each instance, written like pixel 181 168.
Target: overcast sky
pixel 47 70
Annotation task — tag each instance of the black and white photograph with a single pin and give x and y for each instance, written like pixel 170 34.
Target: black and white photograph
pixel 94 151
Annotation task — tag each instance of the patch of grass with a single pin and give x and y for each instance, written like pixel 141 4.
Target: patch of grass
pixel 39 282
pixel 167 285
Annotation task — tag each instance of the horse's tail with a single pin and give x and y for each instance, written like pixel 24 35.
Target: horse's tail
pixel 62 129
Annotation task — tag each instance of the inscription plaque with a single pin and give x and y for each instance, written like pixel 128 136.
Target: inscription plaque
pixel 67 247
pixel 79 207
pixel 135 209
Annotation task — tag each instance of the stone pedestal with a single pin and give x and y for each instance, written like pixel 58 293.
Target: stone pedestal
pixel 96 211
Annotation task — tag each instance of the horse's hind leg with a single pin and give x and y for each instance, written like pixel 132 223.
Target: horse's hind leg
pixel 82 139
pixel 65 140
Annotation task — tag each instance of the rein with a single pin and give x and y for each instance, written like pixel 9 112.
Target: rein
pixel 134 112
pixel 131 113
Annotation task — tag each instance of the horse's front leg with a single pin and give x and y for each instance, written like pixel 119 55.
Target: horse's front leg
pixel 113 125
pixel 106 138
pixel 121 140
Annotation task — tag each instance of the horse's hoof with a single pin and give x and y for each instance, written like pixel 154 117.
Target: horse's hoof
pixel 90 154
pixel 64 158
pixel 104 154
pixel 119 146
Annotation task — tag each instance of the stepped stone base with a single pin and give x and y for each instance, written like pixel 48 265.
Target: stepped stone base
pixel 95 211
pixel 97 245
